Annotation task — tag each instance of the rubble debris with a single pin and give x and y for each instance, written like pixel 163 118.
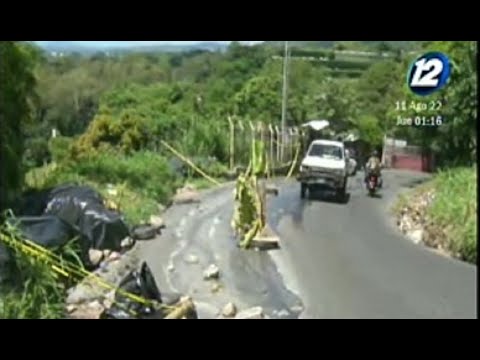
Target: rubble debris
pixel 186 195
pixel 296 309
pixel 110 272
pixel 114 256
pixel 283 313
pixel 157 222
pixel 229 310
pixel 127 243
pixel 185 309
pixel 416 236
pixel 413 222
pixel 252 313
pixel 86 311
pixel 95 256
pixel 139 283
pixel 212 272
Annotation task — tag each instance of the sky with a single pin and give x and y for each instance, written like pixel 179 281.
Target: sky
pixel 101 44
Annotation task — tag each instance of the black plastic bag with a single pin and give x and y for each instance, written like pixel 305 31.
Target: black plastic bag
pixel 140 283
pixel 83 208
pixel 5 261
pixel 52 232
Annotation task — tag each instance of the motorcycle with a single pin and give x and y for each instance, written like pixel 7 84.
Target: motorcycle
pixel 372 184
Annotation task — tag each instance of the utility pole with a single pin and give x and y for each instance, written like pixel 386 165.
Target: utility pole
pixel 284 99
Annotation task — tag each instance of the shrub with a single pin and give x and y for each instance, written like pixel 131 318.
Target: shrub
pixel 59 148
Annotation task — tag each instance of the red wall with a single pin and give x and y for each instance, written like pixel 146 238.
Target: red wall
pixel 413 162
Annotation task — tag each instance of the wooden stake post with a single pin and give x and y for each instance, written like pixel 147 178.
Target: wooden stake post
pixel 232 143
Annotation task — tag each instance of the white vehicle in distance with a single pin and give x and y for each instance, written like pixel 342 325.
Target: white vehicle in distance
pixel 326 164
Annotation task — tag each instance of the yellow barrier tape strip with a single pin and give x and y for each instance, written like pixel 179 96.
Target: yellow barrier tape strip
pixel 192 165
pixel 58 265
pixel 294 163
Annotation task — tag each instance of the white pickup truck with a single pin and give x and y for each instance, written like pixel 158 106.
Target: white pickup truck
pixel 326 164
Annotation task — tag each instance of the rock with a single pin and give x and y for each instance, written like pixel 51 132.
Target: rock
pixel 88 311
pixel 283 313
pixel 170 298
pixel 212 272
pixel 95 256
pixel 171 268
pixel 296 309
pixel 252 313
pixel 110 295
pixel 186 196
pixel 127 242
pixel 416 236
pixel 95 304
pixel 107 304
pixel 71 308
pixel 216 287
pixel 189 187
pixel 114 256
pixel 106 253
pixel 230 310
pixel 157 222
pixel 191 259
pixel 83 293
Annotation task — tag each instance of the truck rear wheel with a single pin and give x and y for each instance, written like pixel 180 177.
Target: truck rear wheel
pixel 342 192
pixel 303 190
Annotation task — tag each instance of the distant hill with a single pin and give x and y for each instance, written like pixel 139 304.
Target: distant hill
pixel 351 45
pixel 72 47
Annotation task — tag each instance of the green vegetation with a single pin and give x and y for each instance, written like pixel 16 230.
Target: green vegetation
pixel 33 289
pixel 113 112
pixel 457 214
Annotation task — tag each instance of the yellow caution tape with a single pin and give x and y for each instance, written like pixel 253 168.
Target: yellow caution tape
pixel 71 270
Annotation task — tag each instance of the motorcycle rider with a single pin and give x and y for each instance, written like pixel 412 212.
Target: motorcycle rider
pixel 374 166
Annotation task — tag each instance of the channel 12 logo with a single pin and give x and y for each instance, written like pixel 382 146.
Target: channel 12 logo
pixel 428 73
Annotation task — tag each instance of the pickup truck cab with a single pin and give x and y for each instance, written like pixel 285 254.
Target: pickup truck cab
pixel 326 164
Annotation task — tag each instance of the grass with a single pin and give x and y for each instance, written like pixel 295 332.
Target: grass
pixel 32 290
pixel 453 209
pixel 134 185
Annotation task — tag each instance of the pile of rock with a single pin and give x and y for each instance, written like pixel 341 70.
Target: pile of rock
pixel 186 195
pixel 415 224
pixel 412 217
pixel 230 311
pixel 89 298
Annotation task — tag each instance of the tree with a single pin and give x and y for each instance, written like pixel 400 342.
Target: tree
pixel 16 72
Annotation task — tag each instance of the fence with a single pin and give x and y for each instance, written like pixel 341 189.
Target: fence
pixel 281 148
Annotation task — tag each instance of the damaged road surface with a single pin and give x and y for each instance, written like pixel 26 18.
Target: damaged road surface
pixel 336 259
pixel 197 255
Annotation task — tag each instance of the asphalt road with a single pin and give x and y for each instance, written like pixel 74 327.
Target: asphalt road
pixel 349 261
pixel 336 260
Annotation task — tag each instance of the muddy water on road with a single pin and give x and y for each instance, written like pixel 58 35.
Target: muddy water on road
pixel 202 236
